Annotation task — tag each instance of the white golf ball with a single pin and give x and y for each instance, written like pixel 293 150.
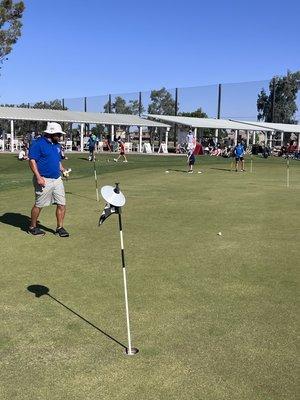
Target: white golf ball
pixel 199 172
pixel 220 233
pixel 167 172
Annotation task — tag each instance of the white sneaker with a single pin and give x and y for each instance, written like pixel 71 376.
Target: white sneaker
pixel 125 161
pixel 115 160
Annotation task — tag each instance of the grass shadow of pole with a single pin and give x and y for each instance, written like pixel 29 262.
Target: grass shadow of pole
pixel 81 196
pixel 222 169
pixel 40 290
pixel 178 170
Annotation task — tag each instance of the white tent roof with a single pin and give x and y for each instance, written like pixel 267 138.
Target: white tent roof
pixel 207 123
pixel 276 127
pixel 37 114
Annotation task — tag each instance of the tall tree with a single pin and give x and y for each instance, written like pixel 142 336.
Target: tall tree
pixel 199 113
pixel 134 107
pixel 280 104
pixel 162 102
pixel 51 105
pixel 10 25
pixel 119 106
pixel 22 127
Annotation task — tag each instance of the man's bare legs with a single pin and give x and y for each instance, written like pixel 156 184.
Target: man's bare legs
pixel 121 155
pixel 35 212
pixel 60 215
pixel 243 165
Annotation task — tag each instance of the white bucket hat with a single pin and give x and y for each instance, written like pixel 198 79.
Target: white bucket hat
pixel 54 127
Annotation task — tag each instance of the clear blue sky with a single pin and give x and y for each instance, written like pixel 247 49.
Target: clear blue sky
pixel 73 48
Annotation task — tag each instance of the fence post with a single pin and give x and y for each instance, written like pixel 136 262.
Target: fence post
pixel 109 103
pixel 85 109
pixel 219 111
pixel 111 129
pixel 219 100
pixel 140 103
pixel 176 113
pixel 273 98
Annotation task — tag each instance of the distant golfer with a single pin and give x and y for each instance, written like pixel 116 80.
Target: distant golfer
pixel 239 153
pixel 191 161
pixel 45 163
pixel 191 140
pixel 122 151
pixel 92 144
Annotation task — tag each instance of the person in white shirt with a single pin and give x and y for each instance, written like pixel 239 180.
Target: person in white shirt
pixel 22 154
pixel 191 140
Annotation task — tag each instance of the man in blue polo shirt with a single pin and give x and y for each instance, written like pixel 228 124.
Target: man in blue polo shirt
pixel 45 163
pixel 239 153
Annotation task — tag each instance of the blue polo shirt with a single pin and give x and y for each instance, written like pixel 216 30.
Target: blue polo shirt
pixel 47 156
pixel 239 150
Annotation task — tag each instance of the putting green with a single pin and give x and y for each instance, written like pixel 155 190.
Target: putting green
pixel 212 315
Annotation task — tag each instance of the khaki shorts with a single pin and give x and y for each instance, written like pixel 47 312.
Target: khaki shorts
pixel 52 193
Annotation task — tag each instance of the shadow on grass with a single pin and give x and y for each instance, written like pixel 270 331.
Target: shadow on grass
pixel 20 221
pixel 178 170
pixel 223 169
pixel 40 290
pixel 81 195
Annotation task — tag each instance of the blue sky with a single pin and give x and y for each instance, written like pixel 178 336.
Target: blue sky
pixel 73 48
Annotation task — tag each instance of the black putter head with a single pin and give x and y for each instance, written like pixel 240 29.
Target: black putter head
pixel 38 290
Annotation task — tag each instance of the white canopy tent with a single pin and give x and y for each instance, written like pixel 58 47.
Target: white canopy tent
pixel 34 114
pixel 211 123
pixel 276 127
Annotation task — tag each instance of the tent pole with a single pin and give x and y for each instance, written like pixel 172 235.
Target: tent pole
pixel 217 136
pixel 140 139
pixel 247 138
pixel 167 136
pixel 12 135
pixel 112 133
pixel 81 137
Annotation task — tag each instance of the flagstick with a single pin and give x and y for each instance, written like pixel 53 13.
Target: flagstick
pixel 251 164
pixel 96 179
pixel 288 173
pixel 131 350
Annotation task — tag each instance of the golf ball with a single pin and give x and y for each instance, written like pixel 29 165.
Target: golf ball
pixel 167 172
pixel 199 172
pixel 220 233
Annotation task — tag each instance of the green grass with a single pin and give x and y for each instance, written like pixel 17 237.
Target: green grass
pixel 213 316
